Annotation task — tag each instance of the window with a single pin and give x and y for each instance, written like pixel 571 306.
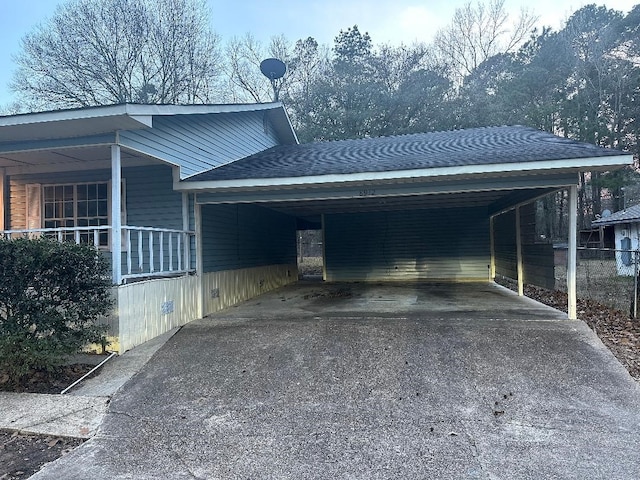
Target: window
pixel 77 205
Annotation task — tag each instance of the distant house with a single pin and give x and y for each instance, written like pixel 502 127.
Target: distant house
pixel 198 206
pixel 626 228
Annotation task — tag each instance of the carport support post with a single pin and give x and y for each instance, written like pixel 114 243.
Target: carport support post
pixel 116 219
pixel 520 269
pixel 492 246
pixel 324 253
pixel 572 253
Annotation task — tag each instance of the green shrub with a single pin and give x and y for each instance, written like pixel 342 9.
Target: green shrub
pixel 51 295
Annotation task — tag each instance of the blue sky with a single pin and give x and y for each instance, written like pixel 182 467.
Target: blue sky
pixel 393 21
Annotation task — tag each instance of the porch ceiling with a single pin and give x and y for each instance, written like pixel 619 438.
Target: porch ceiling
pixel 81 158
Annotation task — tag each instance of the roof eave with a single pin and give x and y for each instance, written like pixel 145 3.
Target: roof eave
pixel 603 163
pixel 110 118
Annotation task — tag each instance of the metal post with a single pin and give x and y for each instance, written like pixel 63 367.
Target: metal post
pixel 116 208
pixel 572 254
pixel 635 284
pixel 2 198
pixel 324 250
pixel 520 267
pixel 492 243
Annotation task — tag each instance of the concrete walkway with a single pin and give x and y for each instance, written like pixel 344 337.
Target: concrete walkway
pixel 78 413
pixel 353 381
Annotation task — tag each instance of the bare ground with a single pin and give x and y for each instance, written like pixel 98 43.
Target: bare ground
pixel 22 455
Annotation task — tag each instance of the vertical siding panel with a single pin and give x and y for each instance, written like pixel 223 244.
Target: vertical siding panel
pixel 151 308
pixel 446 244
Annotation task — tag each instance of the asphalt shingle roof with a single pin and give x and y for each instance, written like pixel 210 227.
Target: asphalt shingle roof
pixel 629 214
pixel 477 146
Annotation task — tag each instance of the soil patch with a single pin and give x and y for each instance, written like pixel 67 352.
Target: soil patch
pixel 22 455
pixel 42 381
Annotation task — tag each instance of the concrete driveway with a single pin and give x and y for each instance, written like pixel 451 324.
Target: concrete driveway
pixel 353 381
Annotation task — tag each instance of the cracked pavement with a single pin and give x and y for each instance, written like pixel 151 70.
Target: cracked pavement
pixel 67 416
pixel 434 381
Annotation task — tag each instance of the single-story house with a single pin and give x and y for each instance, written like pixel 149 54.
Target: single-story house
pixel 198 206
pixel 626 227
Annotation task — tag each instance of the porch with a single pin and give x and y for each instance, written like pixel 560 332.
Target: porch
pixel 147 252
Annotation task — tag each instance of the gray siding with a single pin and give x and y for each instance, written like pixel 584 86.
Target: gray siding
pixel 443 244
pixel 151 200
pixel 244 236
pixel 200 142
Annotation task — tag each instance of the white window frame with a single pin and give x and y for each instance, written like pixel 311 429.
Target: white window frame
pixel 41 208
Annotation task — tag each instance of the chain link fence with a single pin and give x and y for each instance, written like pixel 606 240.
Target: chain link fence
pixel 607 276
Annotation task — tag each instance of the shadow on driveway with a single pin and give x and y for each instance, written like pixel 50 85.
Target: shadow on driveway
pixel 373 381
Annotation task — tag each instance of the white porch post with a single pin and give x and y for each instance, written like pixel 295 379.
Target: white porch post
pixel 572 310
pixel 116 221
pixel 2 199
pixel 520 268
pixel 492 246
pixel 186 247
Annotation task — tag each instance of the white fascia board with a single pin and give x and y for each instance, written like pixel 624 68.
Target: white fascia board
pixel 61 115
pixel 148 110
pixel 141 113
pixel 578 164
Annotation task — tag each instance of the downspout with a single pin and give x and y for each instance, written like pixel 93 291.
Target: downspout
pixel 572 253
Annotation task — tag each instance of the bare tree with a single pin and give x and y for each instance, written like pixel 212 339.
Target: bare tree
pixel 96 52
pixel 478 32
pixel 243 57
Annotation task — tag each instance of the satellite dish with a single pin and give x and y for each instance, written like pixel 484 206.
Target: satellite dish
pixel 272 68
pixel 606 213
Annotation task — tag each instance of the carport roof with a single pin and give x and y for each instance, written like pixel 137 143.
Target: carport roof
pixel 459 148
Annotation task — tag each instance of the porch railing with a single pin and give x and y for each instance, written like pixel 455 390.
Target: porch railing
pixel 154 251
pixel 146 251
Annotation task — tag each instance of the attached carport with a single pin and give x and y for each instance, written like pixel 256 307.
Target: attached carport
pixel 413 207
